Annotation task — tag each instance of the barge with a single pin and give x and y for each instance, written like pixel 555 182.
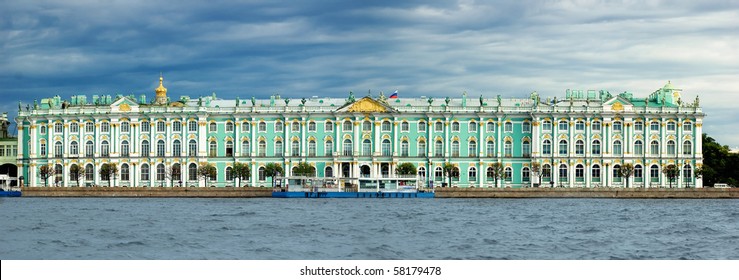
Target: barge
pixel 322 187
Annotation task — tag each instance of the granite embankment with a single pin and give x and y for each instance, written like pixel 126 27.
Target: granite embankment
pixel 144 192
pixel 586 193
pixel 440 192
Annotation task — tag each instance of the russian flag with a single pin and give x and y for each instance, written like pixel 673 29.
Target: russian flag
pixel 395 94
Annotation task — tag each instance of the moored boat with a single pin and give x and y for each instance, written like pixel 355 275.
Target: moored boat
pixel 315 187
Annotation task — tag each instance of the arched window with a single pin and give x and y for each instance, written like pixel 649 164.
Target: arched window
pixel 160 172
pixel 262 127
pixel 579 147
pixel 687 127
pixel 526 128
pixel 328 126
pixel 404 148
pixel 595 127
pixel 176 148
pixel 212 127
pixel 455 126
pixel 638 173
pixel 260 174
pixel 547 147
pixel 229 126
pixel 124 148
pixel 366 126
pixel 595 149
pixel 438 173
pixel 617 126
pixel 617 147
pixel 490 149
pixel 563 126
pixel 229 149
pixel 347 126
pixel 654 147
pixel 671 126
pixel 455 148
pixel 104 149
pixel 546 125
pixel 74 148
pixel 312 148
pixel 654 126
pixel 438 126
pixel 212 149
pixel 144 172
pixel 472 127
pixel 245 126
pixel 245 148
pixel 490 127
pixel 295 126
pixel 472 174
pixel 472 148
pixel 579 172
pixel 562 147
pixel 328 148
pixel 654 173
pixel 638 126
pixel 490 173
pixel 192 148
pixel 58 150
pixel 526 174
pixel 616 173
pixel 687 172
pixel 58 176
pixel 145 148
pixel 579 125
pixel 386 126
pixel 422 148
pixel 176 172
pixel 347 147
pixel 508 127
pixel 386 149
pixel 526 148
pixel 687 147
pixel 438 148
pixel 229 174
pixel 422 126
pixel 192 172
pixel 508 172
pixel 125 172
pixel 404 126
pixel 366 147
pixel 329 172
pixel 278 126
pixel 546 171
pixel 278 148
pixel 563 172
pixel 295 148
pixel 262 148
pixel 638 147
pixel 192 126
pixel 89 149
pixel 595 173
pixel 508 148
pixel 89 172
pixel 671 147
pixel 422 172
pixel 160 148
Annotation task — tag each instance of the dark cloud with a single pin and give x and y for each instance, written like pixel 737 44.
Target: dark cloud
pixel 328 48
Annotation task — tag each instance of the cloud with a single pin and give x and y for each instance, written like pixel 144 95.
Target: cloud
pixel 328 48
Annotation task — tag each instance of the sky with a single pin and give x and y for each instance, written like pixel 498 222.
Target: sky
pixel 328 48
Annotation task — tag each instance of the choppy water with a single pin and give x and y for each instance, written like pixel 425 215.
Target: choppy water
pixel 177 228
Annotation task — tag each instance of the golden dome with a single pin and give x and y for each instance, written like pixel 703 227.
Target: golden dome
pixel 161 90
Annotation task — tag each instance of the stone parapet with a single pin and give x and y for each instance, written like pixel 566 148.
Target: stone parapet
pixel 144 192
pixel 585 193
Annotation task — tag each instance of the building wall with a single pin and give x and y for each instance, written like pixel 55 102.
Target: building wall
pixel 515 133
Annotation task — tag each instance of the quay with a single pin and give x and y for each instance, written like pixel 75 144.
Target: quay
pixel 250 192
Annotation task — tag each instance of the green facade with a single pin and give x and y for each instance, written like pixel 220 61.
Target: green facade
pixel 367 137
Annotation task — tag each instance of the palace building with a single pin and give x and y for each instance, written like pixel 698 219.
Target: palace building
pixel 581 140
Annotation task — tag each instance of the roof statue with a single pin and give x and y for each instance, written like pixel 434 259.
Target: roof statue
pixel 498 98
pixel 481 100
pixel 253 101
pixel 200 101
pixel 237 101
pixel 287 101
pixel 447 100
pixel 430 100
pixel 382 97
pixel 351 98
pixel 303 101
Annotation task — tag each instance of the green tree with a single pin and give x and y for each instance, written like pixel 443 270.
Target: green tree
pixel 107 171
pixel 627 169
pixel 75 173
pixel 406 168
pixel 449 172
pixel 207 171
pixel 536 169
pixel 273 169
pixel 304 169
pixel 173 173
pixel 498 171
pixel 672 172
pixel 45 171
pixel 241 171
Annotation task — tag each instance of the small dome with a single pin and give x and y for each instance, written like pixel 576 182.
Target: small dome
pixel 668 86
pixel 161 90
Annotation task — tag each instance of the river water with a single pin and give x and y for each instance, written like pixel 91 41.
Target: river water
pixel 264 228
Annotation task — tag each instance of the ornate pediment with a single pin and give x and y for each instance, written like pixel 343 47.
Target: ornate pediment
pixel 368 105
pixel 125 105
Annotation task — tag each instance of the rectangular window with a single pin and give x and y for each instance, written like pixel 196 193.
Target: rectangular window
pixel 422 127
pixel 160 126
pixel 145 127
pixel 125 127
pixel 328 127
pixel 278 127
pixel 404 127
pixel 75 128
pixel 192 126
pixel 328 148
pixel 596 126
pixel 105 127
pixel 439 127
pixel 312 127
pixel 421 149
pixel 472 127
pixel 526 127
pixel 508 127
pixel 654 126
pixel 245 126
pixel 177 126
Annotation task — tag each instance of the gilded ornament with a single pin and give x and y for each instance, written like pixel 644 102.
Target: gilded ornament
pixel 124 107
